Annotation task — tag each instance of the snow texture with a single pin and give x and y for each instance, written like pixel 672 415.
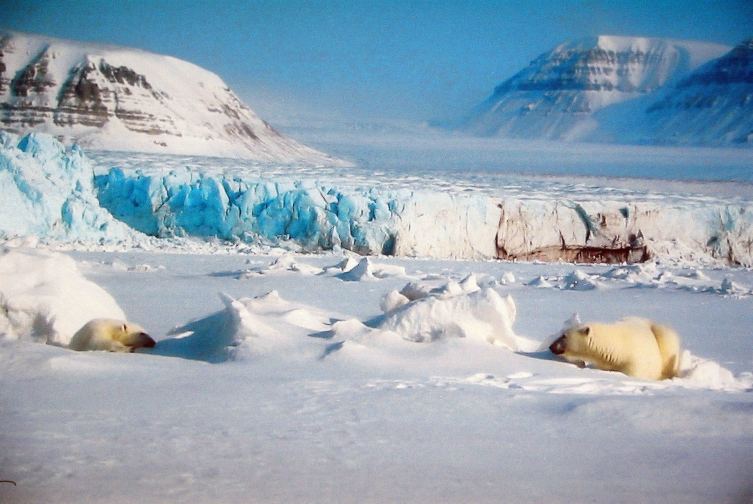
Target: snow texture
pixel 298 373
pixel 44 297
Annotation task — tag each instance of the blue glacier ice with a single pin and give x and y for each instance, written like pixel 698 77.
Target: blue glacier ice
pixel 47 192
pixel 51 191
pixel 317 217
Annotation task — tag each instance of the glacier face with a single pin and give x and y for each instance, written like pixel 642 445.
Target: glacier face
pixel 52 193
pixel 430 223
pixel 185 203
pixel 116 98
pixel 592 89
pixel 48 193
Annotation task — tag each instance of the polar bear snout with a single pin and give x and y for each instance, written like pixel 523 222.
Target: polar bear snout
pixel 140 340
pixel 559 346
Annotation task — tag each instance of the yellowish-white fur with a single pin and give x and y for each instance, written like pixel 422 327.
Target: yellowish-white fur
pixel 634 346
pixel 110 335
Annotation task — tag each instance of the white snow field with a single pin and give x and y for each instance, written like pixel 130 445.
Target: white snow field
pixel 284 376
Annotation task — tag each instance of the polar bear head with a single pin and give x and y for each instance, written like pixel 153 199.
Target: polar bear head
pixel 574 345
pixel 574 340
pixel 111 335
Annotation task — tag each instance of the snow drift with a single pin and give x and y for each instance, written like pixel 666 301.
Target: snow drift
pixel 44 297
pixel 462 310
pixel 247 328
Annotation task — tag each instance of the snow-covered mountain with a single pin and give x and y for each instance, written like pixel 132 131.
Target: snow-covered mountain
pixel 558 95
pixel 116 98
pixel 713 105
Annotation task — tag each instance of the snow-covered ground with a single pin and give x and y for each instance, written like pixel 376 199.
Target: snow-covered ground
pixel 303 390
pixel 329 377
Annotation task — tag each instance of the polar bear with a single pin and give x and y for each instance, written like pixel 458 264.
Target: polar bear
pixel 634 346
pixel 110 335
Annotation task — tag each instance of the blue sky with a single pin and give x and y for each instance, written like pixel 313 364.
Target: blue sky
pixel 368 60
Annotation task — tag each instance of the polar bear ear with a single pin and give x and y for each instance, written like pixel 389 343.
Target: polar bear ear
pixel 584 330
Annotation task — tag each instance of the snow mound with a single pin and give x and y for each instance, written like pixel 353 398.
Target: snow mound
pixel 696 372
pixel 48 192
pixel 246 328
pixel 367 270
pixel 576 280
pixel 579 281
pixel 361 272
pixel 44 297
pixel 283 263
pixel 476 314
pixel 636 274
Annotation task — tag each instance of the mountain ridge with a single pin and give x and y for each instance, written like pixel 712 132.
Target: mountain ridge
pixel 594 89
pixel 118 98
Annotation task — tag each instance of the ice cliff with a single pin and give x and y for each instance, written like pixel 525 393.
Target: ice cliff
pixel 51 193
pixel 48 193
pixel 428 224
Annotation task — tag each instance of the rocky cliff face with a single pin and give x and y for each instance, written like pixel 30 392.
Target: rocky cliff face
pixel 121 99
pixel 713 105
pixel 557 96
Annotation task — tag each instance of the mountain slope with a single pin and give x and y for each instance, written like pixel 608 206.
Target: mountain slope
pixel 714 105
pixel 115 98
pixel 558 94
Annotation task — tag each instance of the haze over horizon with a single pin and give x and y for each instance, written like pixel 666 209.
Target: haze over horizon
pixel 298 61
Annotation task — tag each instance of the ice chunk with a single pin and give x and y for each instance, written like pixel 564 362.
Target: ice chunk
pixel 579 281
pixel 362 272
pixel 392 301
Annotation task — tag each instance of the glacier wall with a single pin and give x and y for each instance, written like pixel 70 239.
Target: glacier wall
pixel 625 231
pixel 180 204
pixel 428 224
pixel 51 192
pixel 47 192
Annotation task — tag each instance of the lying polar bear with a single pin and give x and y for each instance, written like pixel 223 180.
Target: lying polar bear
pixel 634 346
pixel 110 335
